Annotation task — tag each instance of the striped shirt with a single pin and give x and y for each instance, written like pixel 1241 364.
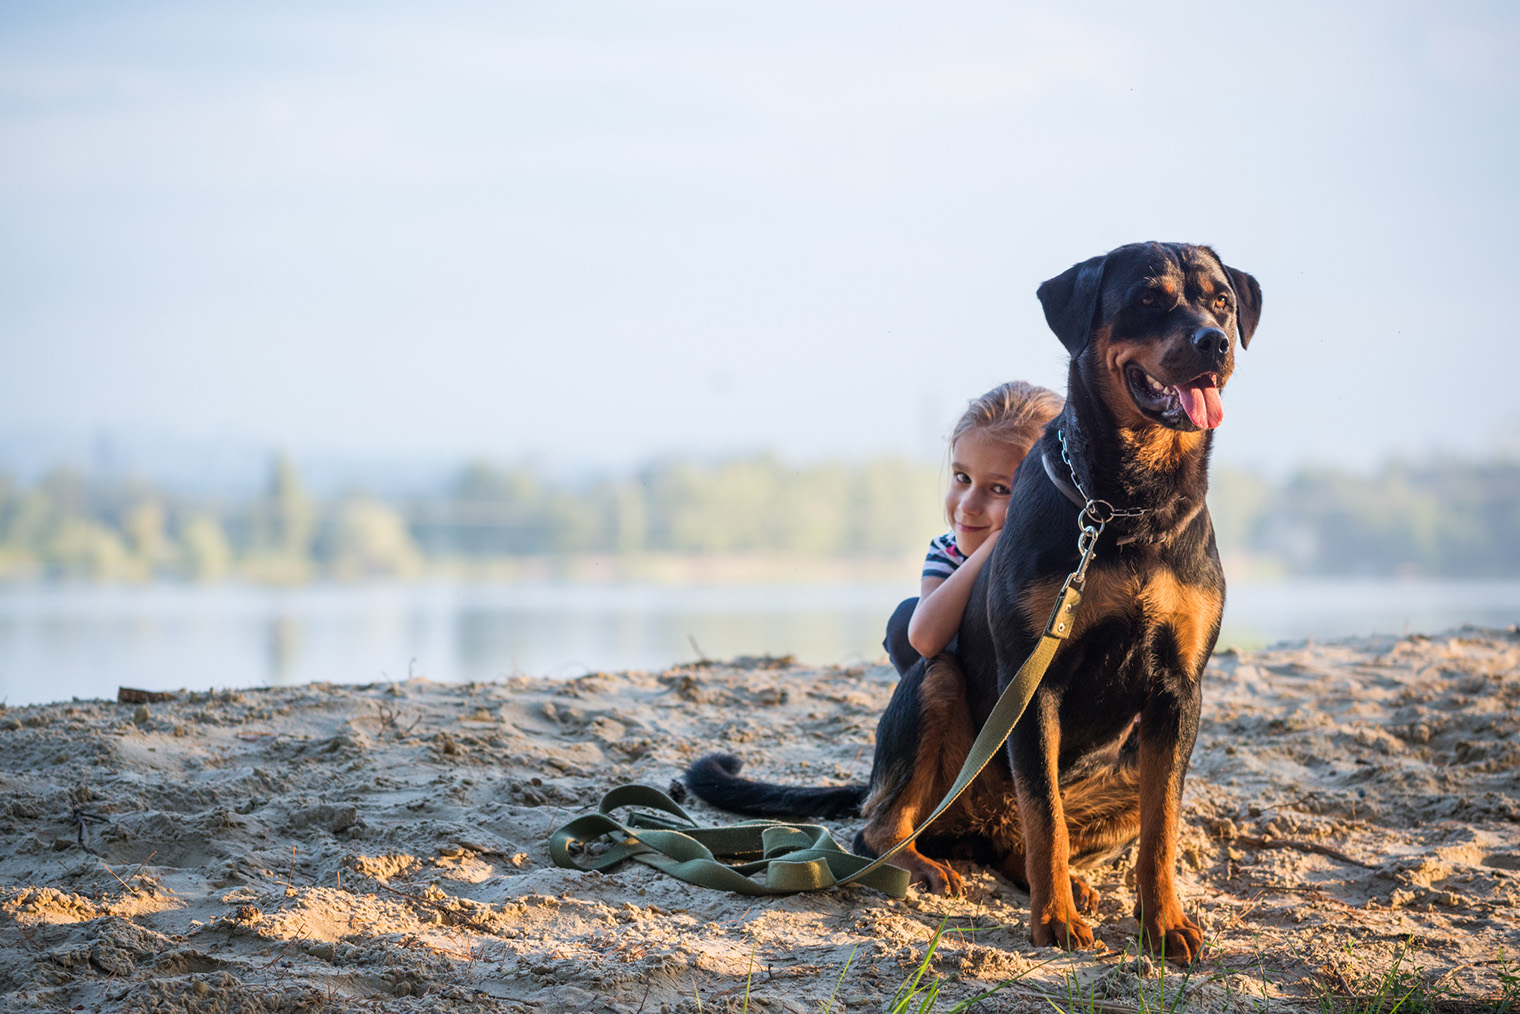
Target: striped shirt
pixel 944 557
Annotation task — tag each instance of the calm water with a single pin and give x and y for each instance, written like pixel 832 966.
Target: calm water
pixel 63 642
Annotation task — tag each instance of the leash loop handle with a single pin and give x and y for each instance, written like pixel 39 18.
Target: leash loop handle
pixel 794 857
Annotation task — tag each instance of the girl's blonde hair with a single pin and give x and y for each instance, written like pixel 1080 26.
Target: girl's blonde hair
pixel 1016 412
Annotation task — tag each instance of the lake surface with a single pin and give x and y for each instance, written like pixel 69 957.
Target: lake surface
pixel 62 642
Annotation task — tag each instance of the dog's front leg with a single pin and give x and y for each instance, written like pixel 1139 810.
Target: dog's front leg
pixel 1168 727
pixel 1054 919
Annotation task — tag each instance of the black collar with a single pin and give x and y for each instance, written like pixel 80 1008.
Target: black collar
pixel 1061 483
pixel 1065 486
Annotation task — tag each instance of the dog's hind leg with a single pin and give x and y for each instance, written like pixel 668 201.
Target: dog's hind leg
pixel 1102 816
pixel 921 743
pixel 1101 797
pixel 1102 810
pixel 1014 866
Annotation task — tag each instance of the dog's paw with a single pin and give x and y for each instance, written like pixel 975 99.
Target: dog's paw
pixel 928 875
pixel 940 879
pixel 1172 934
pixel 1083 896
pixel 1071 933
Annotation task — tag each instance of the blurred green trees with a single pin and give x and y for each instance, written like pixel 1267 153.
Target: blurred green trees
pixel 1444 518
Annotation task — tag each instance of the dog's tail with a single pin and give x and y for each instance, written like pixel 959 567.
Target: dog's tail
pixel 715 779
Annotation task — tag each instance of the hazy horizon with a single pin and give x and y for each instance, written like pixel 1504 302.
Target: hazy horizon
pixel 599 234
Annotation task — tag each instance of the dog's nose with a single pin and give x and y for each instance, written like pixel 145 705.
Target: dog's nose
pixel 1211 341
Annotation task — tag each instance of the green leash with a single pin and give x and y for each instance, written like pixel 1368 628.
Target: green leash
pixel 805 857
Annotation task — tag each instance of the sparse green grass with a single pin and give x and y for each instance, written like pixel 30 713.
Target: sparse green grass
pixel 1509 988
pixel 915 996
pixel 840 981
pixel 749 977
pixel 1082 999
pixel 1397 989
pixel 1400 989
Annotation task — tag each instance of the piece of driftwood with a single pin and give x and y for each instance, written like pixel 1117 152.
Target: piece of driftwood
pixel 131 695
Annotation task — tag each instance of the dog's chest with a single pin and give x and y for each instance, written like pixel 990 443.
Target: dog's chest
pixel 1154 609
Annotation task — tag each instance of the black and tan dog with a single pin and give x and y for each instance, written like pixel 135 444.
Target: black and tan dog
pixel 1100 755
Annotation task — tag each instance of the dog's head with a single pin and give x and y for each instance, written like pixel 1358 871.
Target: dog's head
pixel 1153 328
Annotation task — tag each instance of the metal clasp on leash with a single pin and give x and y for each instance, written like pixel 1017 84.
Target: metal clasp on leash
pixel 1063 617
pixel 1087 545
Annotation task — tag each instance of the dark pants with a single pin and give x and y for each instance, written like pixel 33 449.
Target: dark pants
pixel 903 654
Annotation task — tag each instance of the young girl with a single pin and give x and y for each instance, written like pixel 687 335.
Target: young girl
pixel 986 446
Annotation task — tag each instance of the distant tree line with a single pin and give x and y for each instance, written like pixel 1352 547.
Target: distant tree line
pixel 72 526
pixel 75 527
pixel 1437 519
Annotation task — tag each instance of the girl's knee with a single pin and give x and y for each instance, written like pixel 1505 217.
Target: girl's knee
pixel 896 643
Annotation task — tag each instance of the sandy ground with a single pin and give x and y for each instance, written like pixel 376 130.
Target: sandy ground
pixel 385 847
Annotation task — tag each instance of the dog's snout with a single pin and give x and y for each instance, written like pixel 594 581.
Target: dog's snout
pixel 1211 341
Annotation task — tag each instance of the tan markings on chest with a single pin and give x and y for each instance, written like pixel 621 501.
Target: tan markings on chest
pixel 1158 448
pixel 1156 599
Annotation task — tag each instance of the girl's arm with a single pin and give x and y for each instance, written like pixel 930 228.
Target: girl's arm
pixel 942 602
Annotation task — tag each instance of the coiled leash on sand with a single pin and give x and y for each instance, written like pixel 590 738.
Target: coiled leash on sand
pixel 805 857
pixel 794 857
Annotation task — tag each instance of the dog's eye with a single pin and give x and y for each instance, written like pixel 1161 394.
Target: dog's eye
pixel 1221 302
pixel 1147 301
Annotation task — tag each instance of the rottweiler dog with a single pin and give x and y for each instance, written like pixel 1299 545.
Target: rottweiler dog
pixel 1099 757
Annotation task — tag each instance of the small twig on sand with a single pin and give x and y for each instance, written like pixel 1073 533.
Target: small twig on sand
pixel 26 938
pixel 127 883
pixel 1302 846
pixel 138 868
pixel 84 817
pixel 289 944
pixel 123 883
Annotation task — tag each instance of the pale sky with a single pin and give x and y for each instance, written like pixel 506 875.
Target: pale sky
pixel 594 233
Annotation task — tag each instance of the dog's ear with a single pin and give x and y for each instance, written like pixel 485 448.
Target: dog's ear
pixel 1070 300
pixel 1247 301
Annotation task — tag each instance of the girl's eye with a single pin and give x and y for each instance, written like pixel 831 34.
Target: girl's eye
pixel 963 478
pixel 1000 489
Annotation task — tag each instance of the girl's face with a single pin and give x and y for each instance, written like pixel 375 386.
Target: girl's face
pixel 981 477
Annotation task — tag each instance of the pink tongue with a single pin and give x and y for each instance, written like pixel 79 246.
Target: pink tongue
pixel 1201 402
